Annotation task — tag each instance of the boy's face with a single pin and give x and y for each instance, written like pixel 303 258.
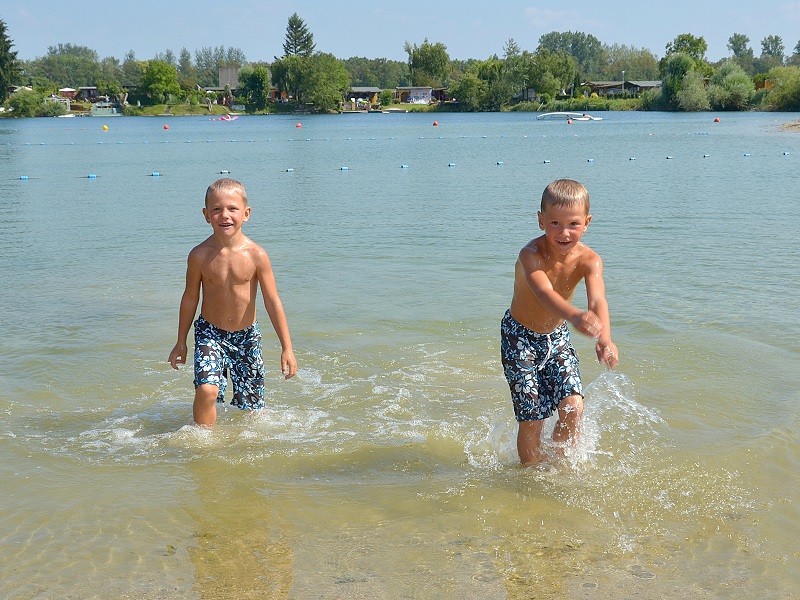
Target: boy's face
pixel 564 226
pixel 226 211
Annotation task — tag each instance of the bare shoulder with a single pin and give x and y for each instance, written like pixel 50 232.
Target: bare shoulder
pixel 589 259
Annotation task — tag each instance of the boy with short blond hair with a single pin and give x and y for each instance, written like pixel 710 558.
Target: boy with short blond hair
pixel 227 268
pixel 540 364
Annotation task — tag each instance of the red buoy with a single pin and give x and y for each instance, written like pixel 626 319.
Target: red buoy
pixel 166 126
pixel 299 125
pixel 436 123
pixel 716 120
pixel 569 121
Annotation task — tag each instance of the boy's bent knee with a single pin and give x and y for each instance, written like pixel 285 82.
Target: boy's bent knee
pixel 206 393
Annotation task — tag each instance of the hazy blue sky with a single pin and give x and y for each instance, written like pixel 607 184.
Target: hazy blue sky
pixel 373 29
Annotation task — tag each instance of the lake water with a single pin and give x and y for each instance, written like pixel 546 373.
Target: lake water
pixel 387 468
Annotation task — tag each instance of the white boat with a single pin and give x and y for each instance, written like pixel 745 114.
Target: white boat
pixel 575 116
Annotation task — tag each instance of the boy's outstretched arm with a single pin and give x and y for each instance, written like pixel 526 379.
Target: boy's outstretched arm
pixel 274 306
pixel 606 350
pixel 188 307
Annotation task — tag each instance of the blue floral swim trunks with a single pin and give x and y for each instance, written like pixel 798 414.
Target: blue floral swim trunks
pixel 218 352
pixel 541 368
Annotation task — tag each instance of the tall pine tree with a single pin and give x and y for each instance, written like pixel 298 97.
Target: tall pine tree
pixel 9 65
pixel 299 41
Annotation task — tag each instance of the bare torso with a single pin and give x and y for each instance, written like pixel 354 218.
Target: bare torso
pixel 564 274
pixel 229 282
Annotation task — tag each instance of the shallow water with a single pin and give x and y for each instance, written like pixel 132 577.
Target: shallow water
pixel 387 468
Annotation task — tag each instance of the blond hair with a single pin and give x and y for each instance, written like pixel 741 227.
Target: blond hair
pixel 226 184
pixel 565 193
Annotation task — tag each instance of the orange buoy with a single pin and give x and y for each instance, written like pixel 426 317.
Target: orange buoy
pixel 436 123
pixel 716 120
pixel 166 126
pixel 299 125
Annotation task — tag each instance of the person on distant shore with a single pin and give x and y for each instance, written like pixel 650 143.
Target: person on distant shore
pixel 540 364
pixel 227 268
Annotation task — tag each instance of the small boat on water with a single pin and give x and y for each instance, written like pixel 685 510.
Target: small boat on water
pixel 575 116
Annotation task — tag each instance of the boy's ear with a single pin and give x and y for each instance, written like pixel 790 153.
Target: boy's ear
pixel 205 214
pixel 539 217
pixel 246 213
pixel 588 220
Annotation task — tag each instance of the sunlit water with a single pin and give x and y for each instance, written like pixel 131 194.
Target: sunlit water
pixel 387 467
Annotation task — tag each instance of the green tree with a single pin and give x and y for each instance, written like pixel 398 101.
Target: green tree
pixel 470 91
pixel 186 71
pixel 772 45
pixel 298 41
pixel 638 64
pixel 730 88
pixel 109 80
pixel 131 70
pixel 691 46
pixel 677 68
pixel 68 65
pixel 160 81
pixel 377 72
pixel 785 95
pixel 428 64
pixel 25 103
pixel 586 49
pixel 208 60
pixel 794 59
pixel 289 76
pixel 693 96
pixel 327 81
pixel 255 84
pixel 9 64
pixel 739 45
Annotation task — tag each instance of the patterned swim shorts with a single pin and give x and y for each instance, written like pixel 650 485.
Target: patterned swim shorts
pixel 218 352
pixel 541 368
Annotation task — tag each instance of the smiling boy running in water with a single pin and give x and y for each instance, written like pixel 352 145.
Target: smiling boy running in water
pixel 228 267
pixel 540 364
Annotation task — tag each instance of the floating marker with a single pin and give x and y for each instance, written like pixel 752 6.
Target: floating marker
pixel 706 155
pixel 224 172
pixel 786 154
pixel 299 125
pixel 436 123
pixel 23 178
pixel 403 166
pixel 451 164
pixel 716 120
pixel 747 155
pixel 669 158
pixel 155 174
pixel 589 160
pixel 500 162
pixel 290 170
pixel 547 162
pixel 91 176
pixel 344 168
pixel 166 126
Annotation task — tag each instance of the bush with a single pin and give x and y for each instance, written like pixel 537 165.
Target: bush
pixel 25 103
pixel 52 109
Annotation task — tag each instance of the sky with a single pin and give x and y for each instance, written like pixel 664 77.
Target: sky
pixel 376 29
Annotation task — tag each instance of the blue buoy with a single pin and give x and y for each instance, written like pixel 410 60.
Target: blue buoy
pixel 589 160
pixel 23 178
pixel 224 172
pixel 747 155
pixel 290 170
pixel 403 166
pixel 500 162
pixel 706 155
pixel 451 164
pixel 786 154
pixel 632 158
pixel 669 158
pixel 547 162
pixel 344 168
pixel 155 174
pixel 91 176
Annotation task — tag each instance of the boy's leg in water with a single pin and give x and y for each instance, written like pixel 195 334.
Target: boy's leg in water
pixel 529 442
pixel 204 408
pixel 567 430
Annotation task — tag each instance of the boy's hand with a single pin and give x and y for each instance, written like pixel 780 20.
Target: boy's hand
pixel 589 324
pixel 178 356
pixel 288 364
pixel 607 354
